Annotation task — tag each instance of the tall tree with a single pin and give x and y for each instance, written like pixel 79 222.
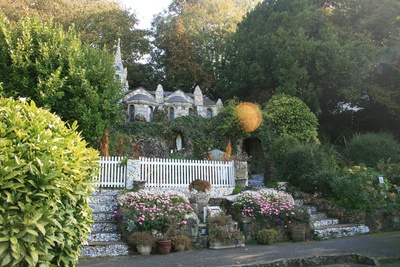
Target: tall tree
pixel 289 46
pixel 58 72
pixel 99 23
pixel 378 25
pixel 205 25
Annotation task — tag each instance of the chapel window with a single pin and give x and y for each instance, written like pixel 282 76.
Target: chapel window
pixel 131 113
pixel 209 113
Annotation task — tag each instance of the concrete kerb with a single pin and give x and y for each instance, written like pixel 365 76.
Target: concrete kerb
pixel 315 261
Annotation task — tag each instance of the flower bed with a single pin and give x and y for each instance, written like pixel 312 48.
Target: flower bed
pixel 269 207
pixel 152 211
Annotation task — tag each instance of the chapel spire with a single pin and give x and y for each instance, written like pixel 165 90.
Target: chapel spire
pixel 121 73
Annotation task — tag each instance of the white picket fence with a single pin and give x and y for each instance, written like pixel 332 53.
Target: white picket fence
pixel 173 173
pixel 168 173
pixel 112 173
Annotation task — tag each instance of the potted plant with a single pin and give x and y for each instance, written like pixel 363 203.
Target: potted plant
pixel 200 195
pixel 200 185
pixel 180 243
pixel 163 243
pixel 143 241
pixel 223 233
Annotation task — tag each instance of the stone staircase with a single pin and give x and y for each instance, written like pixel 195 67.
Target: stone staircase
pixel 104 240
pixel 326 228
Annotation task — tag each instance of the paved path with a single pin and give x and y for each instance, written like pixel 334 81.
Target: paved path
pixel 378 246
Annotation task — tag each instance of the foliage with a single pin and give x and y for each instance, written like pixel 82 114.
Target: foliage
pixel 237 190
pixel 288 115
pixel 200 185
pixel 189 40
pixel 267 236
pixel 142 238
pixel 100 23
pixel 370 148
pixel 148 211
pixel 194 137
pixel 269 207
pixel 226 125
pixel 221 228
pixel 288 47
pixel 137 129
pixel 356 188
pixel 390 171
pixel 181 239
pixel 326 53
pixel 304 164
pixel 46 175
pixel 278 148
pixel 57 71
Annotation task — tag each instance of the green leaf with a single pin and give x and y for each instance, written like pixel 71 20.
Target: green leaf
pixel 41 229
pixel 35 257
pixel 13 240
pixel 7 259
pixel 3 247
pixel 32 232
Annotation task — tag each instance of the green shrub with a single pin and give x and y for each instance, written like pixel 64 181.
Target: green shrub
pixel 278 149
pixel 304 166
pixel 290 116
pixel 267 236
pixel 370 148
pixel 46 176
pixel 356 188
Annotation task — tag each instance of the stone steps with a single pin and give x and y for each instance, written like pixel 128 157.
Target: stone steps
pixel 340 230
pixel 104 239
pixel 327 228
pixel 102 249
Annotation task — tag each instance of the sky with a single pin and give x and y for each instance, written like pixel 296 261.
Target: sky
pixel 145 9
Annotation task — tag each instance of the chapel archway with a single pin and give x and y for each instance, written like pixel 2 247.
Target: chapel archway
pixel 254 149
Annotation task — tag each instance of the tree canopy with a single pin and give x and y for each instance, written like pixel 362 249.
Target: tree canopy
pixel 99 23
pixel 342 69
pixel 189 40
pixel 56 70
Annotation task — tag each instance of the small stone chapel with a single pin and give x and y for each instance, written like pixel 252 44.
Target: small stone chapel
pixel 141 103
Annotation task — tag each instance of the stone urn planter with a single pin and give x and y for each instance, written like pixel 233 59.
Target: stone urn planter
pixel 143 242
pixel 200 198
pixel 144 249
pixel 179 247
pixel 180 243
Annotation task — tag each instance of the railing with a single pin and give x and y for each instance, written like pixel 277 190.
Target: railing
pixel 167 173
pixel 180 173
pixel 112 173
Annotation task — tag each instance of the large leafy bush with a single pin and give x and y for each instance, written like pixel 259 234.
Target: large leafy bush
pixel 307 166
pixel 370 148
pixel 357 188
pixel 291 116
pixel 41 61
pixel 45 178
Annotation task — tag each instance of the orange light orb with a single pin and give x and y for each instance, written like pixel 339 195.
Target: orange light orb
pixel 249 116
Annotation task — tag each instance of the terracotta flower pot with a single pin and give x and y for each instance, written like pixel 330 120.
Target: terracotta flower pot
pixel 164 246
